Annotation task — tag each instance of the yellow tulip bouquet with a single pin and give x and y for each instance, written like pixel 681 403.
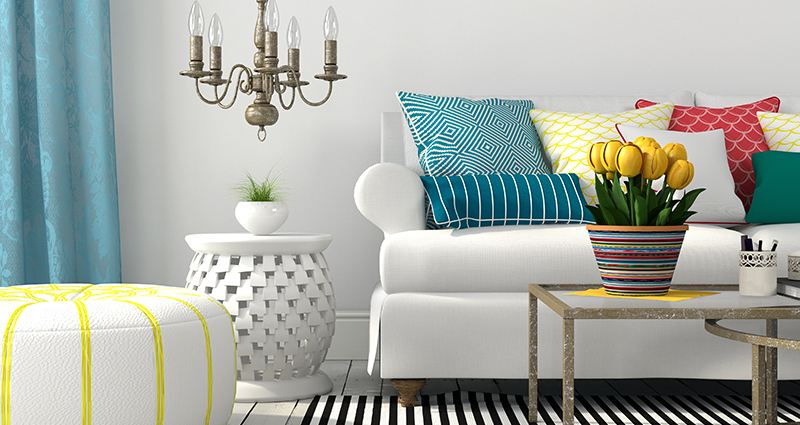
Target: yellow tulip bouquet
pixel 642 162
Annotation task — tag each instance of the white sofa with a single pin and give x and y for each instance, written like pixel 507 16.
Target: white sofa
pixel 453 303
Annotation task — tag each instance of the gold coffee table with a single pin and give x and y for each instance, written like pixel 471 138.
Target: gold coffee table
pixel 728 304
pixel 765 366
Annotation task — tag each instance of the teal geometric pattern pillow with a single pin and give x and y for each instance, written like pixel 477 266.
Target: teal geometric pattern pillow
pixel 506 199
pixel 457 136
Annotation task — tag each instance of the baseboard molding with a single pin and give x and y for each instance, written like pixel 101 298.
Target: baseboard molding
pixel 351 340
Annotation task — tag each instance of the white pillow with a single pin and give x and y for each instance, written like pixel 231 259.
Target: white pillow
pixel 718 204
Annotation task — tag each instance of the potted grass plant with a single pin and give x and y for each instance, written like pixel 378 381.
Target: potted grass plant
pixel 261 209
pixel 640 228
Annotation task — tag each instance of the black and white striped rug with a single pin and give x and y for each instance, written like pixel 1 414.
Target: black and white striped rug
pixel 484 409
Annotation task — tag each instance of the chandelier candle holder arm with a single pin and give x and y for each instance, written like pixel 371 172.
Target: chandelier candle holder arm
pixel 264 78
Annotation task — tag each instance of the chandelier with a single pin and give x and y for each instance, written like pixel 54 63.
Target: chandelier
pixel 264 79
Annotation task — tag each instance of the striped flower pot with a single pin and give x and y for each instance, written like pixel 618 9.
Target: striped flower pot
pixel 636 260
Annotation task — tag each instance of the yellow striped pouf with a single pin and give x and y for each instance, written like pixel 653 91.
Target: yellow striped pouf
pixel 115 354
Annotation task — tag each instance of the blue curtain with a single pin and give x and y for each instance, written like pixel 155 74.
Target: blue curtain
pixel 59 214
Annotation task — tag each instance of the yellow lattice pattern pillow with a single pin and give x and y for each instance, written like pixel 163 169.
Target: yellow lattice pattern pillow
pixel 567 136
pixel 781 131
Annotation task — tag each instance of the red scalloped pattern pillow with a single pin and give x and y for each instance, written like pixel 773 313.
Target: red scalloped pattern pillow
pixel 743 135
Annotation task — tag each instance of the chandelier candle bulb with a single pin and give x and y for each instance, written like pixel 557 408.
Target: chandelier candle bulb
pixel 293 41
pixel 215 49
pixel 293 34
pixel 196 21
pixel 196 25
pixel 273 18
pixel 330 28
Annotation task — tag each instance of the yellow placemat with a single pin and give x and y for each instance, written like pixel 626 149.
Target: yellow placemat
pixel 672 295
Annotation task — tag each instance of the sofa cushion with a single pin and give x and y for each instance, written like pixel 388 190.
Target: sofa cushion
pixel 457 136
pixel 775 199
pixel 743 135
pixel 507 258
pixel 479 200
pixel 567 137
pixel 790 104
pixel 718 204
pixel 395 131
pixel 781 131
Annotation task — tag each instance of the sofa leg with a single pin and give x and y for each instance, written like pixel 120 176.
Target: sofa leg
pixel 408 389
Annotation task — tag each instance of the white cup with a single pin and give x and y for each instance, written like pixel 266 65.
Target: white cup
pixel 758 273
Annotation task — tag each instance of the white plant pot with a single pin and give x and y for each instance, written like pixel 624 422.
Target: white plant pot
pixel 261 218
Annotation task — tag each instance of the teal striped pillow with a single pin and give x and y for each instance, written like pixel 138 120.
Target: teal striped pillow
pixel 478 200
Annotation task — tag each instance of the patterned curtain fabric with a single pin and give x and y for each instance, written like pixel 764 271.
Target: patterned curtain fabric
pixel 59 214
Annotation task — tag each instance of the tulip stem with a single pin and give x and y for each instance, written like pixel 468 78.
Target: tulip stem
pixel 630 202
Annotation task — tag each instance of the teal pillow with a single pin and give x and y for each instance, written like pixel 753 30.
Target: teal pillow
pixel 775 198
pixel 506 199
pixel 457 136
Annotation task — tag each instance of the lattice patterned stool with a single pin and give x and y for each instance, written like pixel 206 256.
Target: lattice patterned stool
pixel 278 290
pixel 115 354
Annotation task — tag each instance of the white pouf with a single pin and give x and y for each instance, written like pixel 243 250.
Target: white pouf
pixel 115 354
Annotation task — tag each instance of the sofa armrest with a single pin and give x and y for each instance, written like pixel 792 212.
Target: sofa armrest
pixel 391 197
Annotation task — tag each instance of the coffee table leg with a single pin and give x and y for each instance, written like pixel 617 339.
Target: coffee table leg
pixel 533 358
pixel 759 387
pixel 568 371
pixel 771 375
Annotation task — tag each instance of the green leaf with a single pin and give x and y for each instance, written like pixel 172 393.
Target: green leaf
pixel 678 220
pixel 597 214
pixel 663 217
pixel 615 217
pixel 650 197
pixel 637 180
pixel 600 186
pixel 619 198
pixel 607 183
pixel 640 210
pixel 687 201
pixel 636 191
pixel 604 197
pixel 663 195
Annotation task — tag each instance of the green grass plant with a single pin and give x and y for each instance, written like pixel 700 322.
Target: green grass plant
pixel 270 189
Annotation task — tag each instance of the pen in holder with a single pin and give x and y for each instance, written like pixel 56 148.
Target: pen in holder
pixel 758 273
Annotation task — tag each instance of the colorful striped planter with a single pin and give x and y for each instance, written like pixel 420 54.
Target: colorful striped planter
pixel 636 260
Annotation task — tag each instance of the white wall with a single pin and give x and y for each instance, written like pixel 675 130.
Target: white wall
pixel 177 157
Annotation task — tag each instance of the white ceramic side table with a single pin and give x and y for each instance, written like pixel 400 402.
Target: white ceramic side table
pixel 278 291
